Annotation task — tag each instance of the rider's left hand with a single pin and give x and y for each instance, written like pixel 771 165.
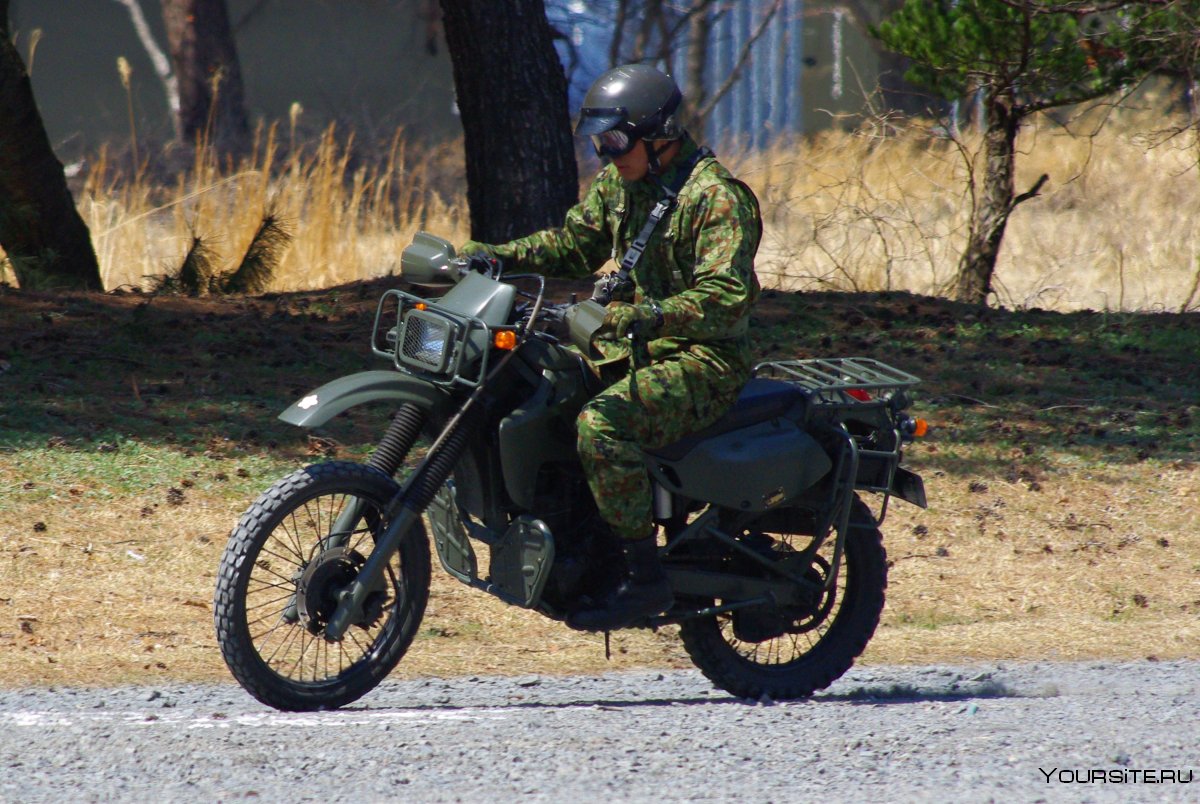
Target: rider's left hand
pixel 621 317
pixel 484 264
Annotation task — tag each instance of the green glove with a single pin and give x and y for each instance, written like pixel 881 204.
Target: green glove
pixel 621 317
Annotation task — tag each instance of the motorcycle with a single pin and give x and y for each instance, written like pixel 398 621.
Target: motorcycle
pixel 777 565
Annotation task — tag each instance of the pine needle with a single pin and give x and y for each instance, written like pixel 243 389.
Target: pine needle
pixel 196 274
pixel 262 258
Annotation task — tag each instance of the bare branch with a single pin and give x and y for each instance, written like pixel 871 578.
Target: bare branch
pixel 1031 192
pixel 162 65
pixel 1079 7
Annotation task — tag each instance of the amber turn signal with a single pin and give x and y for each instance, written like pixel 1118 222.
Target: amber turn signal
pixel 505 339
pixel 421 306
pixel 920 428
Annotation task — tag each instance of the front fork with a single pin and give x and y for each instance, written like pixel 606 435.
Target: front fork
pixel 405 510
pixel 397 442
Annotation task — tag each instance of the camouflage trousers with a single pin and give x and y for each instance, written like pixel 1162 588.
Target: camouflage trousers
pixel 676 396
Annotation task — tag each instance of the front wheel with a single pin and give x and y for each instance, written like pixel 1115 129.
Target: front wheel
pixel 790 654
pixel 293 551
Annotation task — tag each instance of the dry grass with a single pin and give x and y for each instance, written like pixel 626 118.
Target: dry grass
pixel 879 208
pixel 350 220
pixel 109 594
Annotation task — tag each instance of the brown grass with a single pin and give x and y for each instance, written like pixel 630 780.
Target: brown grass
pixel 110 594
pixel 350 220
pixel 877 209
pixel 883 207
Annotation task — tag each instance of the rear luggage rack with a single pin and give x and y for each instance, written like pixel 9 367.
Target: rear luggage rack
pixel 855 400
pixel 831 381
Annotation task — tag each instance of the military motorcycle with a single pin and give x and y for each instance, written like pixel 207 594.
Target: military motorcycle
pixel 777 565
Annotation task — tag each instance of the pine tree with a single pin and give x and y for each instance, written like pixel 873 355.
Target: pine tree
pixel 1020 57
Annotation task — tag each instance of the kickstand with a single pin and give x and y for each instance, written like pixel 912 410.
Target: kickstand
pixel 607 646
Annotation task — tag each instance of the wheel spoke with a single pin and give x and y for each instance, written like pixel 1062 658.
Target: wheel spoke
pixel 263 586
pixel 294 534
pixel 289 559
pixel 270 571
pixel 284 645
pixel 290 648
pixel 268 603
pixel 285 559
pixel 280 623
pixel 793 644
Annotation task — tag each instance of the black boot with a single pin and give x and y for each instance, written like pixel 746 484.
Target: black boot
pixel 644 592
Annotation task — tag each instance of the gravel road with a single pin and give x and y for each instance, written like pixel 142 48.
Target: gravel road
pixel 995 732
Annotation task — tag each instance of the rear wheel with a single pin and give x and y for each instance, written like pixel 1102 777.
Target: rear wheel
pixel 293 551
pixel 782 653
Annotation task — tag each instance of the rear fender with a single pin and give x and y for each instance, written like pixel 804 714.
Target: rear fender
pixel 353 390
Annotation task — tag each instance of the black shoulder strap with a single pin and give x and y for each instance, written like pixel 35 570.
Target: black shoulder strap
pixel 660 211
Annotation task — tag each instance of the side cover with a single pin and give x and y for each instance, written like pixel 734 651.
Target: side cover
pixel 752 469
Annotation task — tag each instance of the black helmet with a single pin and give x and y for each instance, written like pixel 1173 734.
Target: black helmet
pixel 629 103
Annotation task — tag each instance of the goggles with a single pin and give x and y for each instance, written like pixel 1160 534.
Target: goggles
pixel 612 143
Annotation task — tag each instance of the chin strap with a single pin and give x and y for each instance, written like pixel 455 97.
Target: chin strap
pixel 652 155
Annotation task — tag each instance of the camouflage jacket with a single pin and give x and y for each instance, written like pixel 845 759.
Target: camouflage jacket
pixel 699 263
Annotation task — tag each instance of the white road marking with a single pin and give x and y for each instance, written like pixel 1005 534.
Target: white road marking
pixel 216 720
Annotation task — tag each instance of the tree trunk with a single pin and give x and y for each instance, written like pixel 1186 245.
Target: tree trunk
pixel 512 97
pixel 697 89
pixel 993 203
pixel 212 106
pixel 47 243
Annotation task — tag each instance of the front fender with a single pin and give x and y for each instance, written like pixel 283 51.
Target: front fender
pixel 347 392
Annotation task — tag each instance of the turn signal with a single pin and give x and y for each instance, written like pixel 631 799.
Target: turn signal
pixel 505 339
pixel 920 428
pixel 421 306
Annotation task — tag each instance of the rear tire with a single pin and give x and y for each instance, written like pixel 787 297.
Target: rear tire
pixel 278 578
pixel 795 665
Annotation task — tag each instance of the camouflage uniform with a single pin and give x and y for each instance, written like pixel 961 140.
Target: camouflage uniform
pixel 699 266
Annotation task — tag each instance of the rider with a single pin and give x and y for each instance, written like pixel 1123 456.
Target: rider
pixel 691 294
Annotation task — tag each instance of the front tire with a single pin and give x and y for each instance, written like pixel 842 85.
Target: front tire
pixel 278 581
pixel 816 650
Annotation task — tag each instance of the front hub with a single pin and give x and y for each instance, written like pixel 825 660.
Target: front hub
pixel 319 590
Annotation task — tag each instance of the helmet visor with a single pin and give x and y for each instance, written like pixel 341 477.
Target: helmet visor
pixel 612 143
pixel 595 119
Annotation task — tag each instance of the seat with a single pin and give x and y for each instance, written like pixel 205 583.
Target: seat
pixel 759 401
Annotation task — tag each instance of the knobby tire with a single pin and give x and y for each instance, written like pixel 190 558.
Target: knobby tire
pixel 862 585
pixel 247 549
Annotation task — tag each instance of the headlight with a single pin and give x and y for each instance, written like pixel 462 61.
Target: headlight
pixel 425 341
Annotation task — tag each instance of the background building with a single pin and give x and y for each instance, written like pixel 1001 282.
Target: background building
pixel 373 65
